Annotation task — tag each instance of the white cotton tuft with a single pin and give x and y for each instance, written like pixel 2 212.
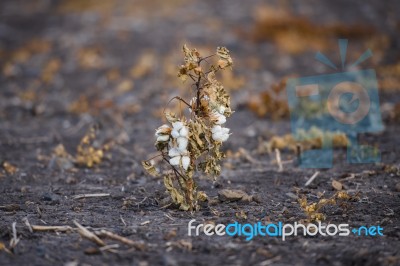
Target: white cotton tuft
pixel 174 152
pixel 220 133
pixel 216 129
pixel 184 132
pixel 185 162
pixel 175 133
pixel 177 125
pixel 225 130
pixel 163 138
pixel 182 143
pixel 218 118
pixel 175 160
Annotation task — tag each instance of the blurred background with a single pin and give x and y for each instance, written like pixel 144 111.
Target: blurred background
pixel 67 64
pixel 83 84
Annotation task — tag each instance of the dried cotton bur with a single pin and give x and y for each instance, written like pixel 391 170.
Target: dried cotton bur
pixel 88 153
pixel 191 144
pixel 314 210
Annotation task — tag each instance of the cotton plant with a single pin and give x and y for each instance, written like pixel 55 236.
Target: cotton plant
pixel 190 145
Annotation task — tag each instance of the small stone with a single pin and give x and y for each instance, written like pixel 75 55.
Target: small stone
pixel 234 195
pixel 397 187
pixel 51 197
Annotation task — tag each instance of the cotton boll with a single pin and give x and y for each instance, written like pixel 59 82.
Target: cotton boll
pixel 220 133
pixel 177 125
pixel 216 129
pixel 218 118
pixel 175 160
pixel 164 129
pixel 221 110
pixel 217 136
pixel 225 130
pixel 184 132
pixel 175 133
pixel 174 152
pixel 182 143
pixel 224 137
pixel 163 138
pixel 221 120
pixel 162 133
pixel 185 162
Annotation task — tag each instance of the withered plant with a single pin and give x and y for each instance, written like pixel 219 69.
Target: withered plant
pixel 192 144
pixel 314 210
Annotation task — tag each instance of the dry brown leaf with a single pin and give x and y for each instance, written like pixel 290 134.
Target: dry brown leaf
pixel 3 247
pixel 337 185
pixel 9 168
pixel 124 86
pixel 145 65
pixel 90 58
pixel 150 168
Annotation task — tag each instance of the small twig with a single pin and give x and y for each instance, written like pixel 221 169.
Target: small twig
pixel 89 235
pixel 3 247
pixel 122 220
pixel 57 228
pixel 278 160
pixel 14 240
pixel 26 221
pixel 110 248
pixel 311 178
pixel 95 195
pixel 169 216
pixel 298 153
pixel 145 222
pixel 121 239
pixel 204 58
pixel 166 206
pixel 176 97
pixel 143 200
pixel 39 211
pixel 248 156
pixel 270 261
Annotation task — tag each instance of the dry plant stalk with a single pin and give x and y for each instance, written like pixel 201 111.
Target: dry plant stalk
pixel 95 195
pixel 89 235
pixel 124 240
pixel 57 228
pixel 190 144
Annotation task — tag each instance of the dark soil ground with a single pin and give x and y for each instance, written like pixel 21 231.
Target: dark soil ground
pixel 54 52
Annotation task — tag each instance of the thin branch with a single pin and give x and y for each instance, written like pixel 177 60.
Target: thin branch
pixel 311 179
pixel 124 240
pixel 204 58
pixel 192 77
pixel 89 235
pixel 173 168
pixel 14 240
pixel 176 97
pixel 95 195
pixel 57 228
pixel 278 160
